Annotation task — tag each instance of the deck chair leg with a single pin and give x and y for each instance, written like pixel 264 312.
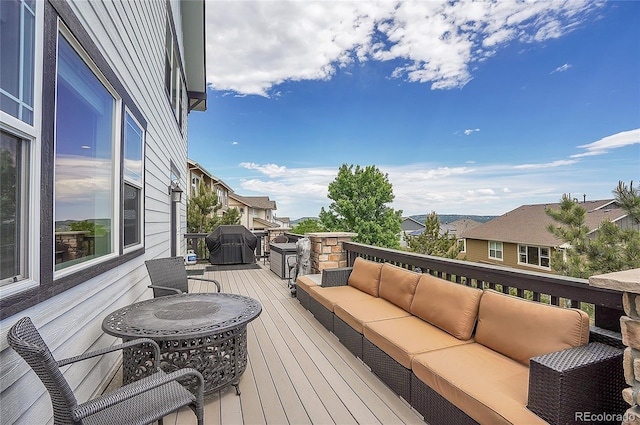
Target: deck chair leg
pixel 237 385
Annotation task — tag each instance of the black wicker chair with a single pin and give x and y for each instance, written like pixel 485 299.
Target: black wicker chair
pixel 169 276
pixel 141 402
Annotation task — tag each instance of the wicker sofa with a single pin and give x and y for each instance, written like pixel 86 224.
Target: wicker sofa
pixel 462 355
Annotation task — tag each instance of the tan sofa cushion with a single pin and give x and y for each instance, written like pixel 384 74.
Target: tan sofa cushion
pixel 405 337
pixel 357 313
pixel 522 329
pixel 398 285
pixel 365 276
pixel 329 296
pixel 307 281
pixel 487 386
pixel 450 306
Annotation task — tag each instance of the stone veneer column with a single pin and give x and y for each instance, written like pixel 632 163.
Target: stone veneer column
pixel 628 282
pixel 327 251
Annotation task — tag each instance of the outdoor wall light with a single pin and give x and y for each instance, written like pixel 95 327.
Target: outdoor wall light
pixel 175 191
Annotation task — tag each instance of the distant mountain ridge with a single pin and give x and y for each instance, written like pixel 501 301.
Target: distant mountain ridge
pixel 444 218
pixel 448 218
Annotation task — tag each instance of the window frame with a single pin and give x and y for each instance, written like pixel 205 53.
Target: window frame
pixel 174 75
pixel 540 256
pixel 496 250
pixel 138 185
pixel 30 134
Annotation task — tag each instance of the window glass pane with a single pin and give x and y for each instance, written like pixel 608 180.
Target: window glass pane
pixel 84 171
pixel 133 151
pixel 532 253
pixel 10 208
pixel 544 262
pixel 132 213
pixel 17 32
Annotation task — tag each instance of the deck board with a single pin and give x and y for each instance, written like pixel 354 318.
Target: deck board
pixel 298 372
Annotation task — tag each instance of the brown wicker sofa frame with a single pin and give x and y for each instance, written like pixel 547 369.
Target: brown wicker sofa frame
pixel 584 378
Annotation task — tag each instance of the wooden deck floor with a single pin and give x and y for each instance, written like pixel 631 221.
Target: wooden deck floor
pixel 298 372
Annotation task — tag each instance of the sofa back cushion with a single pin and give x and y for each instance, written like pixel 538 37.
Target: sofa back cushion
pixel 397 285
pixel 365 276
pixel 450 306
pixel 521 329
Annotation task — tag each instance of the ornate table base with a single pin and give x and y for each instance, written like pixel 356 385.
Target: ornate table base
pixel 221 358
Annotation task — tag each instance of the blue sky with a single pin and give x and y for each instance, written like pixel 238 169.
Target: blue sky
pixel 470 108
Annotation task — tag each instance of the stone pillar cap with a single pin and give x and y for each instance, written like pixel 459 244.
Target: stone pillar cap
pixel 332 234
pixel 626 281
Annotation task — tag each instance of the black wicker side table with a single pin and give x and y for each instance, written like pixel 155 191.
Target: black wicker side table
pixel 207 332
pixel 578 385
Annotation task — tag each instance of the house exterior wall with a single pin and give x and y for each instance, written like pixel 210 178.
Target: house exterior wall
pixel 478 252
pixel 131 37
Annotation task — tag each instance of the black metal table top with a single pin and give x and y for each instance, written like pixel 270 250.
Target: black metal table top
pixel 182 316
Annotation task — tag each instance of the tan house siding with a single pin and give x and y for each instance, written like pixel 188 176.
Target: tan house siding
pixel 478 251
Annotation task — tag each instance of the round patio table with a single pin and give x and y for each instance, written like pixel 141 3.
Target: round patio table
pixel 205 331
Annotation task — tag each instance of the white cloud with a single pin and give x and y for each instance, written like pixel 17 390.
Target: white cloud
pixel 553 164
pixel 604 145
pixel 254 45
pixel 562 68
pixel 270 170
pixel 234 143
pixel 470 131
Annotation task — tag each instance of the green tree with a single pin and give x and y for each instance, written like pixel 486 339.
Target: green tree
pixel 431 242
pixel 611 249
pixel 307 226
pixel 360 204
pixel 201 210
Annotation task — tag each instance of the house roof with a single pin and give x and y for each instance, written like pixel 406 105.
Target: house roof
pixel 528 223
pixel 460 226
pixel 195 166
pixel 193 29
pixel 263 223
pixel 260 202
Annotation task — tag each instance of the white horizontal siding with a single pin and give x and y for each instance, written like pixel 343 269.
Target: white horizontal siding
pixel 131 37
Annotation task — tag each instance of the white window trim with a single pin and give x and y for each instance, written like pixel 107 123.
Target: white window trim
pixel 115 145
pixel 501 250
pixel 537 266
pixel 140 185
pixel 30 133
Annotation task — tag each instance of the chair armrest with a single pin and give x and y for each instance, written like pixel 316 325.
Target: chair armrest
pixel 136 388
pixel 572 382
pixel 336 277
pixel 177 291
pixel 215 282
pixel 95 353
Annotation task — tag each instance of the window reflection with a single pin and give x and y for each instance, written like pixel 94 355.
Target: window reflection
pixel 84 171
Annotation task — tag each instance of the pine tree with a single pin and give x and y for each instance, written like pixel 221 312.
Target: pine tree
pixel 431 242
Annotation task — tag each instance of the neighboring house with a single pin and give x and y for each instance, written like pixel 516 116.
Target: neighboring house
pixel 256 212
pixel 520 238
pixel 196 173
pixel 283 221
pixel 94 104
pixel 410 227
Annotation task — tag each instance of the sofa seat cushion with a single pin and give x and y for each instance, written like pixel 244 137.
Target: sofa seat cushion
pixel 357 313
pixel 405 337
pixel 329 296
pixel 397 285
pixel 307 281
pixel 487 386
pixel 523 329
pixel 365 276
pixel 450 306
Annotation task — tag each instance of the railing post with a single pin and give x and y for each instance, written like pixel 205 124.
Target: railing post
pixel 627 281
pixel 327 251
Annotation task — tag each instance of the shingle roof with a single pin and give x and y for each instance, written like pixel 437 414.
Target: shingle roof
pixel 261 202
pixel 528 223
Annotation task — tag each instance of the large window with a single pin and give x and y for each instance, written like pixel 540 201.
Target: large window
pixel 13 191
pixel 133 182
pixel 495 250
pixel 17 32
pixel 534 256
pixel 84 161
